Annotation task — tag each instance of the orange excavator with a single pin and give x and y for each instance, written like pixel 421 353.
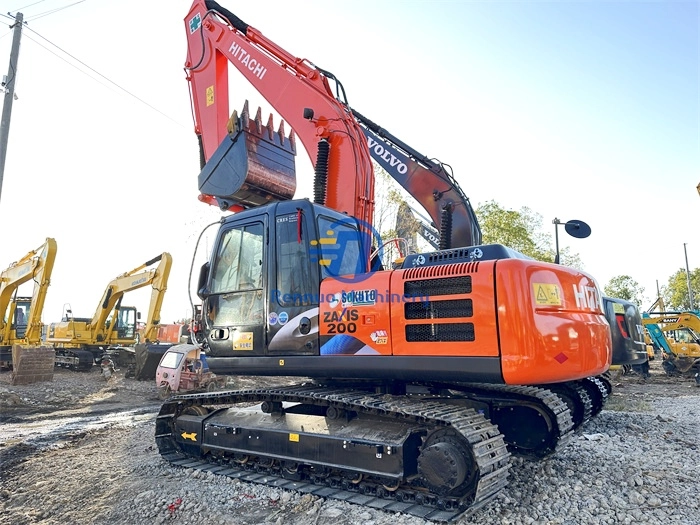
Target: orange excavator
pixel 417 384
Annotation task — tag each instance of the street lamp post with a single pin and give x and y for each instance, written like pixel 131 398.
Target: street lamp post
pixel 578 229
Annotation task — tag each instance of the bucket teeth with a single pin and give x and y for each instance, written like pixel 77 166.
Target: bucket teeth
pixel 292 142
pixel 258 121
pixel 245 116
pixel 252 166
pixel 270 128
pixel 266 132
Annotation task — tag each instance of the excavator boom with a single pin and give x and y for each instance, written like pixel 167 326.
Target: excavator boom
pixel 430 182
pixel 325 122
pixel 157 278
pixel 79 342
pixel 298 91
pixel 36 265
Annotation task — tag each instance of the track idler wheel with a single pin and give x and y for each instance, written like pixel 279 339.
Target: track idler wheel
pixel 577 399
pixel 447 464
pixel 529 429
pixel 598 391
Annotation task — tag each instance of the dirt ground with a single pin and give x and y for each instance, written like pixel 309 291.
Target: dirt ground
pixel 69 447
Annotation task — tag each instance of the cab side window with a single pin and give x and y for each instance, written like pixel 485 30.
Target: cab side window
pixel 237 295
pixel 340 247
pixel 239 260
pixel 295 286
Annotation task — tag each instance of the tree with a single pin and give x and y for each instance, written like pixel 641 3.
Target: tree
pixel 675 293
pixel 388 199
pixel 624 287
pixel 522 231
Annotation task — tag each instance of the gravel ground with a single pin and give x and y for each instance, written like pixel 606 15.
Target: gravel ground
pixel 80 450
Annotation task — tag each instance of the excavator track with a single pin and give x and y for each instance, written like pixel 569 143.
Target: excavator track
pixel 535 421
pixel 585 398
pixel 422 457
pixel 598 388
pixel 577 399
pixel 79 360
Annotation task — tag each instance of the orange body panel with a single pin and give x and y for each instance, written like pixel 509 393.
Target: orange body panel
pixel 551 323
pixel 483 318
pixel 361 310
pixel 544 321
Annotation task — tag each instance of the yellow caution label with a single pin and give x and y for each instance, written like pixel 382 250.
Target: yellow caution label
pixel 294 437
pixel 243 340
pixel 618 308
pixel 210 95
pixel 189 435
pixel 548 294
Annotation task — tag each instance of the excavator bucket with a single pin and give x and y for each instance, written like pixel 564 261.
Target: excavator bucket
pixel 148 356
pixel 253 165
pixel 32 364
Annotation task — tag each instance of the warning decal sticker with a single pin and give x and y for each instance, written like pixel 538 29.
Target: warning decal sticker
pixel 548 294
pixel 242 340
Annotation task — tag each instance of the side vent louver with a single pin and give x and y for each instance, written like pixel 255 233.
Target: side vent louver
pixel 446 286
pixel 432 272
pixel 425 285
pixel 439 309
pixel 440 332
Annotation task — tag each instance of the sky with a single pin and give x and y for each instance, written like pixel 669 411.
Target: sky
pixel 582 110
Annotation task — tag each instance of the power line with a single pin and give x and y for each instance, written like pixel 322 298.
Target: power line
pixel 52 11
pixel 30 5
pixel 66 61
pixel 103 76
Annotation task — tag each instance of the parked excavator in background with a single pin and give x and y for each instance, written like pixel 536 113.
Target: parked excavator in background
pixel 424 379
pixel 20 317
pixel 677 335
pixel 111 331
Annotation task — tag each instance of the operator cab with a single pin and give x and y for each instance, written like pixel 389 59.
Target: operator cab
pixel 125 327
pixel 20 319
pixel 264 281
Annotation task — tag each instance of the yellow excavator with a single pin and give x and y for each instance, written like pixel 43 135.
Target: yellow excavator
pixel 20 317
pixel 677 335
pixel 112 330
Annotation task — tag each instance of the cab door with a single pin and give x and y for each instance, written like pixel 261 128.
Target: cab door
pixel 234 304
pixel 292 320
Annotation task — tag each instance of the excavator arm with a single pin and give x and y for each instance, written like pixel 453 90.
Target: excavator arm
pixel 344 178
pixel 133 280
pixel 36 265
pixel 674 321
pixel 428 181
pixel 332 137
pixel 658 324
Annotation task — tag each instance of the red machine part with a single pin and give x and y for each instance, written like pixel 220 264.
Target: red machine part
pixel 288 83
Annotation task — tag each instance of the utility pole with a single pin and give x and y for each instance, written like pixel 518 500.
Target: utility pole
pixel 687 274
pixel 9 84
